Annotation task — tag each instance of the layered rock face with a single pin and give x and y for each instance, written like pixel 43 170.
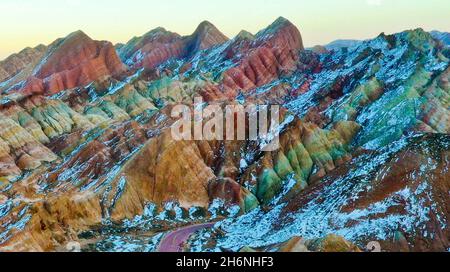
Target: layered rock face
pixel 16 63
pixel 70 62
pixel 249 61
pixel 20 150
pixel 152 49
pixel 306 155
pixel 358 85
pixel 160 45
pixel 273 52
pixel 19 67
pixel 380 195
pixel 205 36
pixel 87 153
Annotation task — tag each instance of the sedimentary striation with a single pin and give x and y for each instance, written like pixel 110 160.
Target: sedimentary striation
pixel 87 153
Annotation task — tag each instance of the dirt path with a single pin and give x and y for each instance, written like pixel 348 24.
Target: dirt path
pixel 173 241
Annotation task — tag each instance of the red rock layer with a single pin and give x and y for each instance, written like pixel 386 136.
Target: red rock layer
pixel 152 49
pixel 74 61
pixel 205 36
pixel 159 45
pixel 416 178
pixel 273 52
pixel 15 63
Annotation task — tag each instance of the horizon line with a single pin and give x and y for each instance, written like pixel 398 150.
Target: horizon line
pixel 307 45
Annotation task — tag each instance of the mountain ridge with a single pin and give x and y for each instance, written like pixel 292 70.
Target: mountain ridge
pixel 87 154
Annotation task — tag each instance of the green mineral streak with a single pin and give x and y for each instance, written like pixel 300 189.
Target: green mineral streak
pixel 289 167
pixel 250 203
pixel 415 85
pixel 283 167
pixel 297 164
pixel 133 103
pixel 155 86
pixel 420 39
pixel 96 111
pixel 304 159
pixel 318 147
pixel 24 119
pixel 56 114
pixel 442 96
pixel 50 126
pixel 374 69
pixel 300 174
pixel 169 90
pixel 293 160
pixel 361 96
pixel 338 146
pixel 113 111
pixel 396 111
pixel 268 186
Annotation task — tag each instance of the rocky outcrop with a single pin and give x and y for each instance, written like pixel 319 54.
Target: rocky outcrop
pixel 152 49
pixel 232 193
pixel 116 182
pixel 20 151
pixel 331 243
pixel 274 51
pixel 370 94
pixel 20 62
pixel 154 175
pixel 54 116
pixel 86 147
pixel 72 62
pixel 18 67
pixel 394 198
pixel 14 111
pixel 249 61
pixel 160 45
pixel 306 155
pixel 205 36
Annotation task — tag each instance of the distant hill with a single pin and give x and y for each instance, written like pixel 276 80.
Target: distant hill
pixel 337 44
pixel 442 36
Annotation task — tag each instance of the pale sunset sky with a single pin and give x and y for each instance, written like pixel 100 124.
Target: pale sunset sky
pixel 31 22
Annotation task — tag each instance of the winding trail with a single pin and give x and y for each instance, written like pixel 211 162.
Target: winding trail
pixel 173 241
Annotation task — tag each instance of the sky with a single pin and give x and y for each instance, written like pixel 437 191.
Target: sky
pixel 26 23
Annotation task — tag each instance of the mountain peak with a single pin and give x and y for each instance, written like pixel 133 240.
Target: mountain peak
pixel 205 36
pixel 155 31
pixel 418 38
pixel 245 35
pixel 205 25
pixel 279 24
pixel 74 38
pixel 71 42
pixel 20 62
pixel 284 29
pixel 73 61
pixel 281 20
pixel 79 34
